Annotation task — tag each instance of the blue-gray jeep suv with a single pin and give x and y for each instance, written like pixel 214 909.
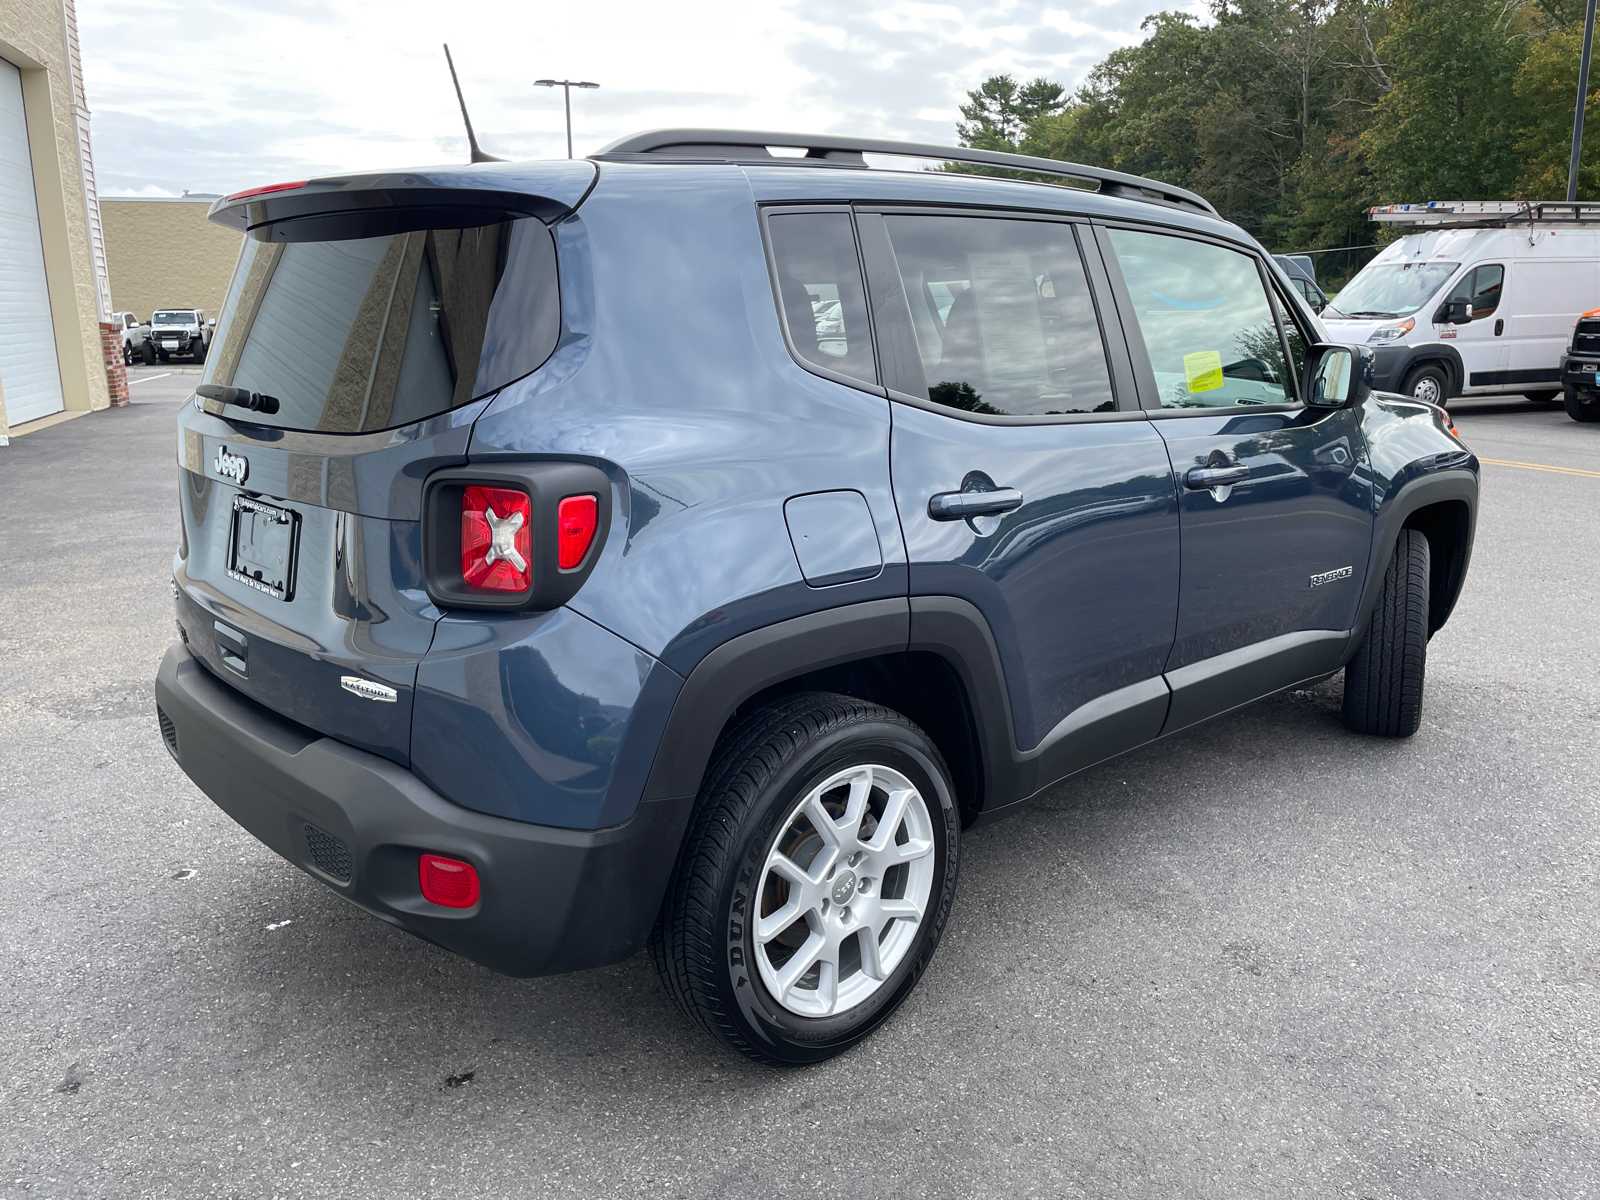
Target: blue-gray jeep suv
pixel 683 546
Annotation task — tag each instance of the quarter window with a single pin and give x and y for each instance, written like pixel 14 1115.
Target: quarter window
pixel 1003 317
pixel 1207 323
pixel 819 284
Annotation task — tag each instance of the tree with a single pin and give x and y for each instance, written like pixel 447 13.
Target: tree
pixel 1447 128
pixel 1546 88
pixel 1293 117
pixel 998 113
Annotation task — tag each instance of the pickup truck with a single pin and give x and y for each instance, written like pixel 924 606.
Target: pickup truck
pixel 178 331
pixel 134 334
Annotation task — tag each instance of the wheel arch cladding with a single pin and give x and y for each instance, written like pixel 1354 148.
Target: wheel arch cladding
pixel 1447 524
pixel 1446 358
pixel 860 650
pixel 1443 507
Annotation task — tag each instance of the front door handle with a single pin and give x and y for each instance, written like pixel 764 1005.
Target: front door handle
pixel 1201 478
pixel 953 506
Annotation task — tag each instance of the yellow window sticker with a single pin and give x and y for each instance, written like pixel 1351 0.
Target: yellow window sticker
pixel 1202 370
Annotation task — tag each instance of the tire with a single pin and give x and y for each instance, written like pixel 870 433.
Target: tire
pixel 1542 397
pixel 1429 383
pixel 127 354
pixel 147 353
pixel 1578 410
pixel 718 961
pixel 200 352
pixel 1383 682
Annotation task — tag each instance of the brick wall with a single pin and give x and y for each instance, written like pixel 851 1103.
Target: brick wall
pixel 116 371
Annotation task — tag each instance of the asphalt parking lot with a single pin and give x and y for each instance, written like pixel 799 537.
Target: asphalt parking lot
pixel 1268 958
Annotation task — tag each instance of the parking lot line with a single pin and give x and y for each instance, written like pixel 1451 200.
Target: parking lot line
pixel 148 378
pixel 1506 462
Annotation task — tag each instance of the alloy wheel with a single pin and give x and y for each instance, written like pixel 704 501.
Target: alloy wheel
pixel 843 891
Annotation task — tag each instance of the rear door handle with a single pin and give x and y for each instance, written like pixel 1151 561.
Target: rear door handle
pixel 1200 478
pixel 952 506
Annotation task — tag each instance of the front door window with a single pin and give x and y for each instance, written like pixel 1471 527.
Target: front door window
pixel 1207 322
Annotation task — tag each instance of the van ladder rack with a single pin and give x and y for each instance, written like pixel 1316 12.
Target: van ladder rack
pixel 1486 214
pixel 745 146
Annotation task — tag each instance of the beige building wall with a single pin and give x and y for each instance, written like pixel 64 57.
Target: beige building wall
pixel 34 38
pixel 165 254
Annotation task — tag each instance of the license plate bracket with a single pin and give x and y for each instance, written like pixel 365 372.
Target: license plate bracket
pixel 263 546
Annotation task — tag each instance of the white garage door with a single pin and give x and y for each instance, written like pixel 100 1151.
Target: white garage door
pixel 28 371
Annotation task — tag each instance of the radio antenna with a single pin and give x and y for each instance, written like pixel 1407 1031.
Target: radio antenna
pixel 478 155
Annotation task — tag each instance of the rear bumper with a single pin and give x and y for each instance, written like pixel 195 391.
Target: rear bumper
pixel 552 899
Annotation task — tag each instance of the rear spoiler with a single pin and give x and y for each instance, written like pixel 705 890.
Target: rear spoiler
pixel 359 206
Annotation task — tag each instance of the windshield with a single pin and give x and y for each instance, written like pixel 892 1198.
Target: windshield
pixel 173 318
pixel 1390 290
pixel 372 333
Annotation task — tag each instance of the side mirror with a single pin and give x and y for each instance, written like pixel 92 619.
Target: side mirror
pixel 1338 376
pixel 212 322
pixel 1457 312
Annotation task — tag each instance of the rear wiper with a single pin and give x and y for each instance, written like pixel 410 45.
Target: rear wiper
pixel 254 401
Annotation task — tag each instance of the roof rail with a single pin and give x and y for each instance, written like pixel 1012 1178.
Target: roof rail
pixel 743 145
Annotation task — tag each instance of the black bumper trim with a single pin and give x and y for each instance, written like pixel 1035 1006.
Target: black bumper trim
pixel 553 899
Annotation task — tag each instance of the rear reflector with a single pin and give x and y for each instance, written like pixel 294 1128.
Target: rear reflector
pixel 575 524
pixel 497 539
pixel 261 191
pixel 448 882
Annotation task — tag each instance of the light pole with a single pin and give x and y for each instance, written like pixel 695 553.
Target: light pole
pixel 566 85
pixel 1583 103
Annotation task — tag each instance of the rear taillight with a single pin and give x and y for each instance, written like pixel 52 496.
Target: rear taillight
pixel 447 882
pixel 262 191
pixel 497 539
pixel 576 519
pixel 513 535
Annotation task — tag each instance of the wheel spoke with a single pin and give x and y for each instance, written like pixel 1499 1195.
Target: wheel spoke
pixel 856 807
pixel 912 850
pixel 893 813
pixel 908 909
pixel 803 960
pixel 825 827
pixel 867 939
pixel 782 865
pixel 769 927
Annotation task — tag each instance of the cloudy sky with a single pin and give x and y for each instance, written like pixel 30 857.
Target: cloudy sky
pixel 214 97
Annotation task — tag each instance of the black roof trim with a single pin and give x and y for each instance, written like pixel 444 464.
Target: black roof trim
pixel 743 145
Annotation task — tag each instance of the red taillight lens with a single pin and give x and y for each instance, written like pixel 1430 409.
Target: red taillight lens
pixel 497 539
pixel 448 882
pixel 262 191
pixel 575 522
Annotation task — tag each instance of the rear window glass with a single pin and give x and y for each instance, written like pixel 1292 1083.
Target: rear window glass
pixel 372 333
pixel 1004 321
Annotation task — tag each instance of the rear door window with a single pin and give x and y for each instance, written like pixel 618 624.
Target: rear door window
pixel 372 333
pixel 1004 321
pixel 1208 325
pixel 820 292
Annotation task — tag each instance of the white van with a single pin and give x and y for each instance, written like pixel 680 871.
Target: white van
pixel 1480 297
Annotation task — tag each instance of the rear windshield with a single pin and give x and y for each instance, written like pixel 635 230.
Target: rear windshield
pixel 372 333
